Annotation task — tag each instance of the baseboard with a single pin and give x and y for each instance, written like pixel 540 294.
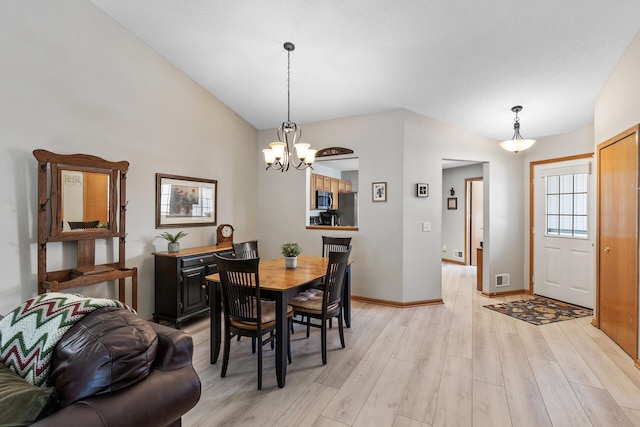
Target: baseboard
pixel 505 293
pixel 637 364
pixel 594 323
pixel 397 304
pixel 450 261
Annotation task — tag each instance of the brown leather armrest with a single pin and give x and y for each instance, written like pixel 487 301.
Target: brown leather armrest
pixel 175 348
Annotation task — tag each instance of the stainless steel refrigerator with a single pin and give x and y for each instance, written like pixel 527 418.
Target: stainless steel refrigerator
pixel 348 208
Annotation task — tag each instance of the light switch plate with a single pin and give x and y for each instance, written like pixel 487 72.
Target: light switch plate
pixel 426 226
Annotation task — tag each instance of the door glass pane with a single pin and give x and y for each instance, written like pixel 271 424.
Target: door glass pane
pixel 567 205
pixel 553 186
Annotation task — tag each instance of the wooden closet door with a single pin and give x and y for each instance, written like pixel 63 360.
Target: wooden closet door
pixel 617 264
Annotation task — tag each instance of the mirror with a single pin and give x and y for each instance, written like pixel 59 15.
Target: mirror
pixel 85 200
pixel 81 197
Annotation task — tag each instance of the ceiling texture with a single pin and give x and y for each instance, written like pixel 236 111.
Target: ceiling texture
pixel 463 62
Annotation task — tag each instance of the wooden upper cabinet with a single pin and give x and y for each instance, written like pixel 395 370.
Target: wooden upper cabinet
pixel 347 186
pixel 342 185
pixel 334 190
pixel 327 183
pixel 312 191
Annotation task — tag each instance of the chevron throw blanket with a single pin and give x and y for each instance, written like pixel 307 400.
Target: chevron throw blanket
pixel 29 334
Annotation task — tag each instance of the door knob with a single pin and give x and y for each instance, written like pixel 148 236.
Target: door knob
pixel 607 249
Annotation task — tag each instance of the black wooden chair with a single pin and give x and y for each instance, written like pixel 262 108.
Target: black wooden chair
pixel 327 304
pixel 245 314
pixel 246 250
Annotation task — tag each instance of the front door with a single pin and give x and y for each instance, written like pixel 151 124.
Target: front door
pixel 563 241
pixel 617 310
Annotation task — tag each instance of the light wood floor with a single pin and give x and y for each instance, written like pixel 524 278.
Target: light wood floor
pixel 456 364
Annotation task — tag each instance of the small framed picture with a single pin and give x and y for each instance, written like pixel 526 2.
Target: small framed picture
pixel 452 203
pixel 422 190
pixel 379 191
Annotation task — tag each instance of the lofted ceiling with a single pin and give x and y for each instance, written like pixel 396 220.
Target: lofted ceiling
pixel 465 63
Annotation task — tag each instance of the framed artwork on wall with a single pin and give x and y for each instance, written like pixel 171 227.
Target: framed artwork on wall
pixel 452 203
pixel 379 191
pixel 422 190
pixel 183 201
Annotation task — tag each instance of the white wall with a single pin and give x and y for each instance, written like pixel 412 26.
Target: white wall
pixel 453 220
pixel 394 259
pixel 74 81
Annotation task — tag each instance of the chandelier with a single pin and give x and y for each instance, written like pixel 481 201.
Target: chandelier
pixel 517 143
pixel 279 156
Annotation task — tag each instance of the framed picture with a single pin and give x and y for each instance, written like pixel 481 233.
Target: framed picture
pixel 422 190
pixel 182 201
pixel 379 191
pixel 452 203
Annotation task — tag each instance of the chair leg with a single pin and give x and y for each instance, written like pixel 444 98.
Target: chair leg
pixel 308 326
pixel 323 341
pixel 253 345
pixel 260 365
pixel 340 328
pixel 273 345
pixel 225 356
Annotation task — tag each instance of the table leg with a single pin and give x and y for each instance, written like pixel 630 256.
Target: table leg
pixel 346 297
pixel 215 301
pixel 282 339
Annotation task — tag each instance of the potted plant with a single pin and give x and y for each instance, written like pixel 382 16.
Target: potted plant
pixel 291 252
pixel 174 245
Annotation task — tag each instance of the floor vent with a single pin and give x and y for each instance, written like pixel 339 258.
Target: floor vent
pixel 502 280
pixel 457 254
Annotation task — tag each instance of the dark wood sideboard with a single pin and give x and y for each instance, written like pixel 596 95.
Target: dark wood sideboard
pixel 181 291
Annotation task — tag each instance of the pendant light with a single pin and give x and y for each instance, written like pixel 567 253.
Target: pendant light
pixel 517 142
pixel 279 156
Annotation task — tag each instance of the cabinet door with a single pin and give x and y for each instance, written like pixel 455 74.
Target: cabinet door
pixel 342 186
pixel 312 191
pixel 347 186
pixel 194 289
pixel 334 190
pixel 326 183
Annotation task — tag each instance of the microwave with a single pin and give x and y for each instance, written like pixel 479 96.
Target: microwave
pixel 324 199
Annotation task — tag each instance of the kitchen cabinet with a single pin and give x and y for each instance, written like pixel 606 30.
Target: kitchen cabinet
pixel 334 189
pixel 181 291
pixel 326 183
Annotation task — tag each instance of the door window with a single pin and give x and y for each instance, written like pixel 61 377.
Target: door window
pixel 567 205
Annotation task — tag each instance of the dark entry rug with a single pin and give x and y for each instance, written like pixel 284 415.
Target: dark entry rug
pixel 540 311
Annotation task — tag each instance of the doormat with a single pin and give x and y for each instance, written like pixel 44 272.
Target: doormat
pixel 540 311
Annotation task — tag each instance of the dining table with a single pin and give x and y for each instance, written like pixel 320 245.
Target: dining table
pixel 278 283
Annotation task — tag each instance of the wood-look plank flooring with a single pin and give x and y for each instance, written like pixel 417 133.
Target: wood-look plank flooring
pixel 454 364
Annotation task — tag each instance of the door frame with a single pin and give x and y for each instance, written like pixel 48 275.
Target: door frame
pixel 596 320
pixel 532 165
pixel 468 182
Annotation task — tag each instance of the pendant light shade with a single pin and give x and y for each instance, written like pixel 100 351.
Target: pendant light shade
pixel 517 143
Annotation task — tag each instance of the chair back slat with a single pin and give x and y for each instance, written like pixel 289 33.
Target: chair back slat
pixel 240 285
pixel 334 244
pixel 246 250
pixel 334 278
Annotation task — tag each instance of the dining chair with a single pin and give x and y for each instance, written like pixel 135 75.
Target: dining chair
pixel 246 249
pixel 245 313
pixel 327 304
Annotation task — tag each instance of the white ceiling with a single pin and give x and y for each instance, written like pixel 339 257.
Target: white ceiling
pixel 464 62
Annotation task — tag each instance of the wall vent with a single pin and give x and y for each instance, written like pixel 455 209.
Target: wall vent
pixel 457 254
pixel 502 280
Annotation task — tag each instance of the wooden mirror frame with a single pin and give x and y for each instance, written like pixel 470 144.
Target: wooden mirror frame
pixel 50 167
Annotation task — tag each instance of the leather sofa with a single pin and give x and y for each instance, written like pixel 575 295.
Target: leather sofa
pixel 170 386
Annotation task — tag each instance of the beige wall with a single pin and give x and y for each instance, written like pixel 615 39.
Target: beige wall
pixel 74 81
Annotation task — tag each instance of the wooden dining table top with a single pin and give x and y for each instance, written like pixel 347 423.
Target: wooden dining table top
pixel 275 276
